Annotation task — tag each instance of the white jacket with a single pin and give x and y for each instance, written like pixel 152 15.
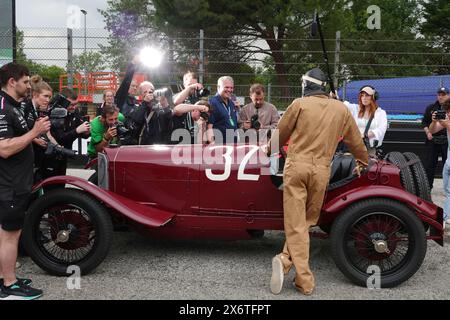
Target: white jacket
pixel 378 126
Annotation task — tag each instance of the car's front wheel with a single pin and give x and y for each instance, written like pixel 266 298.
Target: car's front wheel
pixel 67 227
pixel 378 241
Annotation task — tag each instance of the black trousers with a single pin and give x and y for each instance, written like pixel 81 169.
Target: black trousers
pixel 433 153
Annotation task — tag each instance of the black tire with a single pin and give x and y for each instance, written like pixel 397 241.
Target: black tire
pixel 256 234
pixel 406 175
pixel 61 211
pixel 420 177
pixel 325 228
pixel 360 224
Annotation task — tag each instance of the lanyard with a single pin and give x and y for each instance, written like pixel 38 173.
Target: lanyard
pixel 229 113
pixel 226 108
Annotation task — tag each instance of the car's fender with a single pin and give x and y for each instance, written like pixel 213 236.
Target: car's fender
pixel 144 215
pixel 427 211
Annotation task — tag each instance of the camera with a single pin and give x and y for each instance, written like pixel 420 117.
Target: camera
pixel 166 93
pixel 441 115
pixel 57 111
pixel 58 151
pixel 201 93
pixel 204 115
pixel 255 124
pixel 59 101
pixel 123 133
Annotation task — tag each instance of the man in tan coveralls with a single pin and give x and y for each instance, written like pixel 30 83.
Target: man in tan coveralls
pixel 314 124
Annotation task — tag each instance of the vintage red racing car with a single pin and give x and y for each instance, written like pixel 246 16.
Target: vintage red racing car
pixel 382 218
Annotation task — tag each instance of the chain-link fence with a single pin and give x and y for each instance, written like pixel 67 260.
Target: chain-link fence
pixel 249 62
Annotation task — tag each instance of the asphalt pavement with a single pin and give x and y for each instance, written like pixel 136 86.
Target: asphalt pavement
pixel 141 268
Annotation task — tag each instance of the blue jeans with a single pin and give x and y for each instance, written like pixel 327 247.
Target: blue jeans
pixel 446 178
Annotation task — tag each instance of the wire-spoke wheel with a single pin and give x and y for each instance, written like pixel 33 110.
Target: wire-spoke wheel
pixel 379 233
pixel 65 228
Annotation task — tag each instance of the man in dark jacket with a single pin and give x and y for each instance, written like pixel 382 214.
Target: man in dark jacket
pixel 65 134
pixel 150 123
pixel 436 144
pixel 125 98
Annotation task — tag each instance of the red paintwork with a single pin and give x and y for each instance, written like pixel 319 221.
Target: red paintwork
pixel 150 217
pixel 148 188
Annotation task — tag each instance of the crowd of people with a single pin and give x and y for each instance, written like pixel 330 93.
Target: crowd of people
pixel 29 138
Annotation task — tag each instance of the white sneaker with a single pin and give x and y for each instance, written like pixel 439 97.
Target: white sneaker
pixel 277 279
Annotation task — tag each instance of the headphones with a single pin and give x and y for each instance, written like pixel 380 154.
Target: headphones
pixel 376 96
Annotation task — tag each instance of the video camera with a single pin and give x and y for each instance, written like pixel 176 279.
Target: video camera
pixel 441 115
pixel 57 111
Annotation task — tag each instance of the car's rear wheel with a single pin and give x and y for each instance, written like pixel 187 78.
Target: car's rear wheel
pixel 406 175
pixel 378 234
pixel 420 176
pixel 67 227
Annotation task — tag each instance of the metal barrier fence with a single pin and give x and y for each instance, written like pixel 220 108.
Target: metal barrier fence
pixel 351 59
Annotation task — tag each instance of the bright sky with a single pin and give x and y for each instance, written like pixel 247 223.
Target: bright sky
pixel 54 13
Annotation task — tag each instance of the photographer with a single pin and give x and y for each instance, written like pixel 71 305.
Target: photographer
pixel 16 176
pixel 66 131
pixel 259 115
pixel 435 143
pixel 223 120
pixel 104 130
pixel 151 122
pixel 193 119
pixel 440 121
pixel 192 92
pixel 37 107
pixel 125 97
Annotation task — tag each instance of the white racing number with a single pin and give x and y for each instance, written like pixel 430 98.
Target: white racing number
pixel 227 156
pixel 241 174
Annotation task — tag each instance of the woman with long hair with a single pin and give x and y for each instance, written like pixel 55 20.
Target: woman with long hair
pixel 366 109
pixel 41 94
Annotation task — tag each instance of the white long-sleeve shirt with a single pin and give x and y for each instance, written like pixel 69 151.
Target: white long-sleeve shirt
pixel 378 126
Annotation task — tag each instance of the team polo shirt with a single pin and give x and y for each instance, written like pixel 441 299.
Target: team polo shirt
pixel 223 116
pixel 16 172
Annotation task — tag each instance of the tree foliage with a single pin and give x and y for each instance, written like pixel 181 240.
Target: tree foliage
pixel 271 37
pixel 49 74
pixel 87 62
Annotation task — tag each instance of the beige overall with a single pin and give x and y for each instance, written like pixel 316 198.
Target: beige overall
pixel 314 125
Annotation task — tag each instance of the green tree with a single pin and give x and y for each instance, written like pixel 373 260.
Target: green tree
pixel 437 21
pixel 49 74
pixel 436 27
pixel 274 34
pixel 88 62
pixel 244 23
pixel 392 51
